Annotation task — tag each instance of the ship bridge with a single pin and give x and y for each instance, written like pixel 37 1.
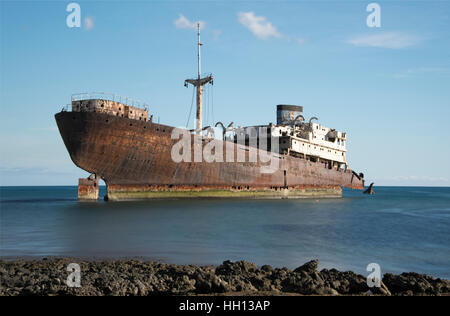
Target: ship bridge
pixel 308 140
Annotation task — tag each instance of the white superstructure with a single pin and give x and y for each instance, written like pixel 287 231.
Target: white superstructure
pixel 308 140
pixel 311 140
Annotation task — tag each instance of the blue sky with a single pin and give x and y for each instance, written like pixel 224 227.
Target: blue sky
pixel 387 87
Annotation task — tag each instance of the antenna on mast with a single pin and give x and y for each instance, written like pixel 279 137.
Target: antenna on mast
pixel 198 50
pixel 198 84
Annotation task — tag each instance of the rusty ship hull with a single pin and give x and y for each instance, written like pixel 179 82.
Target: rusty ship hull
pixel 133 157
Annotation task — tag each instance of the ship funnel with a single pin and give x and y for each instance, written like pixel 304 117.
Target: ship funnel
pixel 286 114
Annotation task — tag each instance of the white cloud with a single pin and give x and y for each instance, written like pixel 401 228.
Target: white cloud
pixel 88 23
pixel 183 23
pixel 422 71
pixel 258 25
pixel 394 40
pixel 216 34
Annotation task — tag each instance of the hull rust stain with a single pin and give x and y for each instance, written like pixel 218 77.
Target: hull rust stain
pixel 134 159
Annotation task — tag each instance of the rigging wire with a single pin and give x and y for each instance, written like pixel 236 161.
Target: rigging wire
pixel 190 110
pixel 208 107
pixel 212 102
pixel 209 104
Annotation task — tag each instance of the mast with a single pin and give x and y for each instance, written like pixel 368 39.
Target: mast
pixel 198 84
pixel 198 50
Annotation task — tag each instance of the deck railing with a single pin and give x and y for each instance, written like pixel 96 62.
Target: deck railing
pixel 109 96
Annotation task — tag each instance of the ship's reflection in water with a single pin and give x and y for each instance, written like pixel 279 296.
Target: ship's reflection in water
pixel 402 229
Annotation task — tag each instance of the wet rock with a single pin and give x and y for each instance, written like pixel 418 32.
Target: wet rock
pixel 346 282
pixel 136 277
pixel 382 290
pixel 228 267
pixel 417 284
pixel 327 291
pixel 308 267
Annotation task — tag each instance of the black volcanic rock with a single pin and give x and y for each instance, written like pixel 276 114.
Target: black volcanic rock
pixel 411 283
pixel 135 277
pixel 308 267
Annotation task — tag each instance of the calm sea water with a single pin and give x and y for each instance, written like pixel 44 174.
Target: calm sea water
pixel 400 228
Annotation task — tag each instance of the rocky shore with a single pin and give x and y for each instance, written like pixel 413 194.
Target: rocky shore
pixel 135 277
